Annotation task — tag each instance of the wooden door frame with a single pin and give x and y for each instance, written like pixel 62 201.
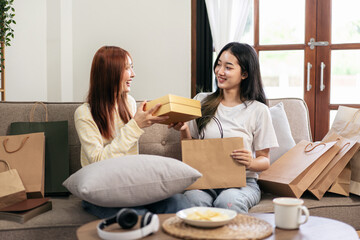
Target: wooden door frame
pixel 323 33
pixel 310 56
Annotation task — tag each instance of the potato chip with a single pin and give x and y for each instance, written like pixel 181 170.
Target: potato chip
pixel 207 215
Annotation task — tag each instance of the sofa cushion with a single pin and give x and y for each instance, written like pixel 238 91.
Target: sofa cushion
pixel 131 180
pixel 282 130
pixel 298 116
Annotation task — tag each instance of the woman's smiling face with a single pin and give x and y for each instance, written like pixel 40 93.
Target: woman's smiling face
pixel 128 75
pixel 228 71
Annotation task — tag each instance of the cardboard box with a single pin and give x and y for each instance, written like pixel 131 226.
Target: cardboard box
pixel 179 109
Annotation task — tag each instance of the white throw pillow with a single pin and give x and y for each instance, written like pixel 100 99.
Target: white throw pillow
pixel 130 181
pixel 283 132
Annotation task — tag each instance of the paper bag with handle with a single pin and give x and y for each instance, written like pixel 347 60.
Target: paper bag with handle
pixel 327 177
pixel 211 157
pixel 12 189
pixel 56 148
pixel 347 125
pixel 294 172
pixel 26 154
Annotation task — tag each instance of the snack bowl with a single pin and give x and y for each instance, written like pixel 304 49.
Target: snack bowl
pixel 206 217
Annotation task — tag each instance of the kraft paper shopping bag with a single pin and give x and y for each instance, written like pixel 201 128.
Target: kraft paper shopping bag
pixel 211 157
pixel 294 172
pixel 342 183
pixel 12 189
pixel 327 177
pixel 26 154
pixel 56 149
pixel 347 125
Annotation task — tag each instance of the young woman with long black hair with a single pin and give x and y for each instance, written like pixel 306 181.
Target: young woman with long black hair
pixel 236 109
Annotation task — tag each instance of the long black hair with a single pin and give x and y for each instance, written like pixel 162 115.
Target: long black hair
pixel 251 88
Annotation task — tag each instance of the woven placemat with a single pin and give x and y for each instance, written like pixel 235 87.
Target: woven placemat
pixel 241 227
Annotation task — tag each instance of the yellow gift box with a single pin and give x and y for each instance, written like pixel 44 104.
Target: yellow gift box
pixel 179 109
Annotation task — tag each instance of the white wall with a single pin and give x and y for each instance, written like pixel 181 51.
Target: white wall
pixel 26 59
pixel 55 40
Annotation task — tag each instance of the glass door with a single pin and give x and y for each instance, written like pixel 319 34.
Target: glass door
pixel 339 24
pixel 310 49
pixel 281 29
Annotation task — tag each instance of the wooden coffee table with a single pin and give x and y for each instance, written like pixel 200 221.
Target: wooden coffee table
pixel 315 228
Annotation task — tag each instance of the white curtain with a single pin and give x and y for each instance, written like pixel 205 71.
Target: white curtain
pixel 227 20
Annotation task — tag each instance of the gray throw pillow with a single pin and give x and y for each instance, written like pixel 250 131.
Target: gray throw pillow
pixel 130 181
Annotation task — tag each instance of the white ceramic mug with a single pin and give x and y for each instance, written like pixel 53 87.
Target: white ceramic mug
pixel 288 212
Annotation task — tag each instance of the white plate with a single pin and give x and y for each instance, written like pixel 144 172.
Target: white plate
pixel 206 223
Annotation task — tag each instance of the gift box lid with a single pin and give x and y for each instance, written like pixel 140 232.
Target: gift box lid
pixel 170 98
pixel 179 109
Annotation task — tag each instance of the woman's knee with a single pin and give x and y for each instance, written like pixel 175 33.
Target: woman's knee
pixel 239 200
pixel 199 198
pixel 179 201
pixel 172 204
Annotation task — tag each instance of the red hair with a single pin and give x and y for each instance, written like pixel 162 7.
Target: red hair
pixel 106 88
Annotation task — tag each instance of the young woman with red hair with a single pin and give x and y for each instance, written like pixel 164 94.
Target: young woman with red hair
pixel 109 125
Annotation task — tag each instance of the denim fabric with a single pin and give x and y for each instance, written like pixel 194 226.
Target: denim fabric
pixel 169 205
pixel 238 199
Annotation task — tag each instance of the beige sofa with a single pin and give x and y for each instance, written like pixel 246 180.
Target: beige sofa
pixel 67 214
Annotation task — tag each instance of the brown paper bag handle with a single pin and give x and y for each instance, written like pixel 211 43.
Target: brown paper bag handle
pixel 31 115
pixel 218 123
pixel 343 147
pixel 21 145
pixel 313 147
pixel 7 164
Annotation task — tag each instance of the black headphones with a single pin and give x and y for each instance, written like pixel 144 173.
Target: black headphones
pixel 127 218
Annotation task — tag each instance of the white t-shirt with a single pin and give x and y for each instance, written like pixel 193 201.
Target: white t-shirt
pixel 252 122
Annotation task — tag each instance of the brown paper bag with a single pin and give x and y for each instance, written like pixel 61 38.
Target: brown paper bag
pixel 347 125
pixel 327 177
pixel 26 154
pixel 355 174
pixel 294 172
pixel 211 157
pixel 342 183
pixel 12 189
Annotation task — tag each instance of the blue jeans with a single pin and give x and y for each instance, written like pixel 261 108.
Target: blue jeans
pixel 170 205
pixel 238 199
